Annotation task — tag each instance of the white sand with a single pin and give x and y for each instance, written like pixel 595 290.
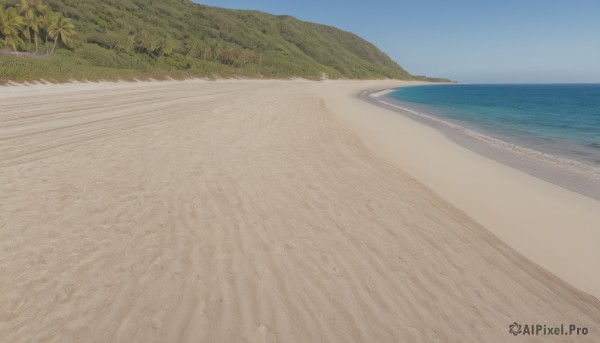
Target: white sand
pixel 556 228
pixel 266 211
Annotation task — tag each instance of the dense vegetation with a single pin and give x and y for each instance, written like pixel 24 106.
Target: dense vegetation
pixel 32 20
pixel 126 39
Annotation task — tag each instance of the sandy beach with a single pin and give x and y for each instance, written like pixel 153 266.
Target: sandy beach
pixel 273 211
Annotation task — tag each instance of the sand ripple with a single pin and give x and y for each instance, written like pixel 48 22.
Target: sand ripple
pixel 237 212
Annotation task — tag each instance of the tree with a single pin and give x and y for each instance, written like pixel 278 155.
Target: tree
pixel 153 45
pixel 61 28
pixel 126 43
pixel 29 25
pixel 166 46
pixel 27 5
pixel 46 21
pixel 29 9
pixel 10 27
pixel 143 41
pixel 192 46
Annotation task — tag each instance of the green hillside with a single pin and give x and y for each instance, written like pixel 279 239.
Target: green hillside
pixel 126 39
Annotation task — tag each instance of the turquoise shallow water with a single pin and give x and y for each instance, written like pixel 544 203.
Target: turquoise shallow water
pixel 560 120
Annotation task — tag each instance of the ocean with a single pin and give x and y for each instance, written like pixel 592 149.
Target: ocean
pixel 560 121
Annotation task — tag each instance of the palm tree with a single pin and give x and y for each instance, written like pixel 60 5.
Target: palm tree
pixel 46 21
pixel 28 9
pixel 143 41
pixel 126 43
pixel 35 27
pixel 27 5
pixel 62 28
pixel 10 27
pixel 31 25
pixel 153 46
pixel 166 46
pixel 25 9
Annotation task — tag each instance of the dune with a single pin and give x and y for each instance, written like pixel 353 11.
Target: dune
pixel 266 211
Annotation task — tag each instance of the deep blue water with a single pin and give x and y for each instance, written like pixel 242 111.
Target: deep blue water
pixel 558 119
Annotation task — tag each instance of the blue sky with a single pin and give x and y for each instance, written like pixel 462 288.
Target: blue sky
pixel 466 40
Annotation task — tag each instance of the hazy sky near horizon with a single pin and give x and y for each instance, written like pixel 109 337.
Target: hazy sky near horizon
pixel 465 40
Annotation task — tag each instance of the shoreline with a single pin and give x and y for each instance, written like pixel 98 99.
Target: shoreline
pixel 553 226
pixel 569 174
